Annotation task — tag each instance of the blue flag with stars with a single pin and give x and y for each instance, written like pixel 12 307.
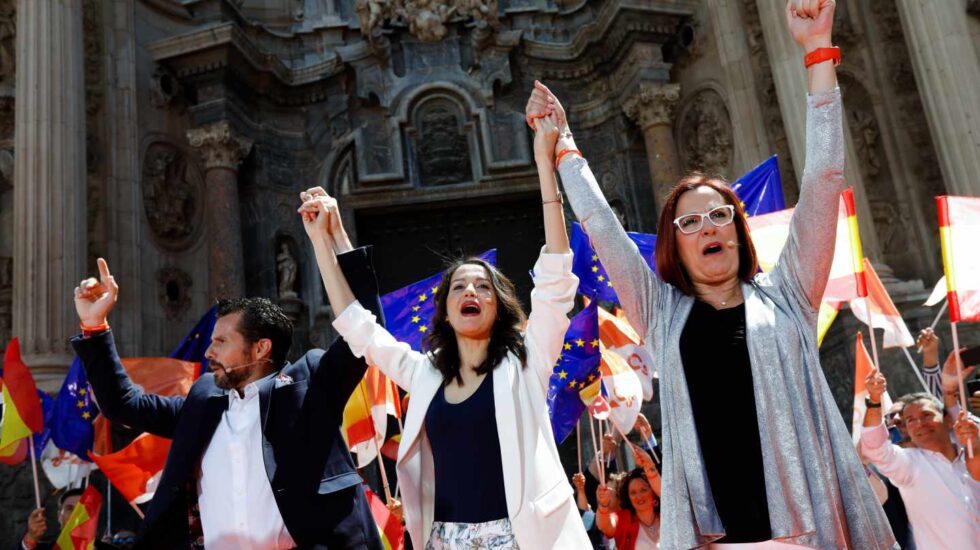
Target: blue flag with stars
pixel 592 277
pixel 408 311
pixel 193 346
pixel 577 367
pixel 74 413
pixel 761 189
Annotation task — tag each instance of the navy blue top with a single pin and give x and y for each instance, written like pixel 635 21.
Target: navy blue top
pixel 466 456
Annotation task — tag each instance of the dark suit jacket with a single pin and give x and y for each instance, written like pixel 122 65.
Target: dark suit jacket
pixel 311 471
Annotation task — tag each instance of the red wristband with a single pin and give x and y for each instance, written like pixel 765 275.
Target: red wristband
pixel 820 55
pixel 93 330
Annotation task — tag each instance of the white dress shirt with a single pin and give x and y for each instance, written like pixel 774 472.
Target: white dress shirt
pixel 942 500
pixel 238 509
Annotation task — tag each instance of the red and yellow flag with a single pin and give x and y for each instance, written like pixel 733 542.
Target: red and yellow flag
pixel 847 280
pixel 22 413
pixel 135 469
pixel 878 311
pixel 366 414
pixel 81 529
pixel 863 366
pixel 389 527
pixel 959 225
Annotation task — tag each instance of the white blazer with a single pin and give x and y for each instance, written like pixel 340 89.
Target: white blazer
pixel 539 498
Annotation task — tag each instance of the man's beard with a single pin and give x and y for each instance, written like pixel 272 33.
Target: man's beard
pixel 231 378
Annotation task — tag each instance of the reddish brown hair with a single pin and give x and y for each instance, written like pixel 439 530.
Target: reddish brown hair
pixel 669 266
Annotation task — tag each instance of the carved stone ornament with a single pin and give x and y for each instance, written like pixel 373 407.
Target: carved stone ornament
pixel 705 134
pixel 652 104
pixel 164 87
pixel 174 291
pixel 287 269
pixel 172 196
pixel 425 19
pixel 219 146
pixel 442 144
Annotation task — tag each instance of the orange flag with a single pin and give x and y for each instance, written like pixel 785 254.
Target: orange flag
pixel 366 414
pixel 959 225
pixel 863 365
pixel 878 311
pixel 135 469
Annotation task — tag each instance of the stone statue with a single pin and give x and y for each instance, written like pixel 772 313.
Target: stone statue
pixel 287 268
pixel 425 19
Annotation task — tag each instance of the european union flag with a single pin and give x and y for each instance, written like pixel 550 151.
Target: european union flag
pixel 761 189
pixel 74 413
pixel 193 346
pixel 592 277
pixel 577 367
pixel 408 311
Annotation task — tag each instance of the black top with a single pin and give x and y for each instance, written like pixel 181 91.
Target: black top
pixel 719 380
pixel 466 457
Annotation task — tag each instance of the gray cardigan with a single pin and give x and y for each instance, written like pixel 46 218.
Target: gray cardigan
pixel 818 493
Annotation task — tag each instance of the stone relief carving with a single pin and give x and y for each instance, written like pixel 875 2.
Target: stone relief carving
pixel 287 269
pixel 426 19
pixel 705 131
pixel 172 196
pixel 173 291
pixel 164 87
pixel 441 143
pixel 866 135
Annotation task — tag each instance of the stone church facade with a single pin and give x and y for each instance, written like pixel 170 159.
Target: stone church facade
pixel 173 138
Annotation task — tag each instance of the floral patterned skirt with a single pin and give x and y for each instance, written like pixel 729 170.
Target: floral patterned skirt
pixel 489 535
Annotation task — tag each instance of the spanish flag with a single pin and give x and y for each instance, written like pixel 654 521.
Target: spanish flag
pixel 81 529
pixel 22 412
pixel 959 225
pixel 135 469
pixel 366 414
pixel 847 280
pixel 389 527
pixel 863 366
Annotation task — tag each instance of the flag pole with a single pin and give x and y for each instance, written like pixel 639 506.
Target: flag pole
pixel 137 510
pixel 915 369
pixel 578 443
pixel 595 451
pixel 652 451
pixel 871 329
pixel 959 377
pixel 108 507
pixel 377 448
pixel 37 487
pixel 935 321
pixel 602 454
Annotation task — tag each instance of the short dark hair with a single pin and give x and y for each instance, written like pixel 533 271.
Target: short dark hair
pixel 261 319
pixel 76 492
pixel 916 397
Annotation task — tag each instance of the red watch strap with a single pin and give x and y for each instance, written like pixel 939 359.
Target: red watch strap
pixel 820 55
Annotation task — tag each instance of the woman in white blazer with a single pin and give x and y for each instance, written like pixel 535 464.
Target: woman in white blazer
pixel 477 463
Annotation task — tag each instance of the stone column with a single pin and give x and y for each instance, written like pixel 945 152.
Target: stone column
pixel 221 151
pixel 947 70
pixel 748 125
pixel 651 106
pixel 789 75
pixel 49 183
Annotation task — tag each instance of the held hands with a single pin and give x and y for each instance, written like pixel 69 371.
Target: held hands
pixel 321 218
pixel 810 22
pixel 876 384
pixel 94 299
pixel 545 136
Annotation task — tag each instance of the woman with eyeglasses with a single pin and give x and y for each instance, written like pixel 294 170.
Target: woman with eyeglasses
pixel 756 453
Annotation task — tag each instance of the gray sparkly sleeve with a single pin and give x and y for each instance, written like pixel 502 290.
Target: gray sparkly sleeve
pixel 635 283
pixel 804 263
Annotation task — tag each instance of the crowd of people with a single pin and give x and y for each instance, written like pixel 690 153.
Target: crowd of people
pixel 755 453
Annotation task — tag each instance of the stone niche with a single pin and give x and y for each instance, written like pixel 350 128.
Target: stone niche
pixel 442 142
pixel 173 198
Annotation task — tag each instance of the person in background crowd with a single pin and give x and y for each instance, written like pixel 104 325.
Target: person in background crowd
pixel 939 484
pixel 37 524
pixel 896 426
pixel 636 525
pixel 928 342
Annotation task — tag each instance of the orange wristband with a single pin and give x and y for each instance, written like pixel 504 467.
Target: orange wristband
pixel 104 326
pixel 820 55
pixel 564 152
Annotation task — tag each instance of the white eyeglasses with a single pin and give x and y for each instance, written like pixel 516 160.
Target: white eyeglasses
pixel 719 217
